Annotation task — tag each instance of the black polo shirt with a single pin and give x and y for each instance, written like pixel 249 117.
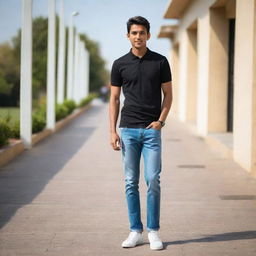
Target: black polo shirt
pixel 141 80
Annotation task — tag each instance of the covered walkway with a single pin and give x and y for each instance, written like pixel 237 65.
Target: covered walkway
pixel 66 196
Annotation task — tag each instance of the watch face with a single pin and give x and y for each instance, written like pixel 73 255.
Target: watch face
pixel 162 123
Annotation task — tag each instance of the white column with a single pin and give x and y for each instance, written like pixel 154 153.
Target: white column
pixel 84 73
pixel 183 76
pixel 87 72
pixel 70 72
pixel 26 74
pixel 61 55
pixel 51 67
pixel 76 70
pixel 244 134
pixel 203 45
pixel 81 71
pixel 70 59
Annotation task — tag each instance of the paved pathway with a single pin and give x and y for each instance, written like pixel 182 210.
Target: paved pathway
pixel 66 197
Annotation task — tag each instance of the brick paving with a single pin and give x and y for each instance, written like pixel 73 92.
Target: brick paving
pixel 66 196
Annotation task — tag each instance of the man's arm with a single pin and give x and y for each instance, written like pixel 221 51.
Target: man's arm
pixel 114 104
pixel 167 101
pixel 166 105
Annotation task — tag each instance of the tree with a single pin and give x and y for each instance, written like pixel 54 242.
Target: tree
pixel 9 75
pixel 39 54
pixel 10 63
pixel 99 76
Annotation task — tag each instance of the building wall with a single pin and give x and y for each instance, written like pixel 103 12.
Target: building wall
pixel 244 100
pixel 174 63
pixel 183 64
pixel 203 98
pixel 253 169
pixel 203 73
pixel 191 75
pixel 218 70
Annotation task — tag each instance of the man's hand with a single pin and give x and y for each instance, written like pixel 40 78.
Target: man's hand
pixel 155 125
pixel 115 141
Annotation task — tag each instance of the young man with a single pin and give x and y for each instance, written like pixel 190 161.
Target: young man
pixel 142 74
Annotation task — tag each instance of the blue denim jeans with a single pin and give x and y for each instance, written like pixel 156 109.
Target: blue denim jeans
pixel 134 142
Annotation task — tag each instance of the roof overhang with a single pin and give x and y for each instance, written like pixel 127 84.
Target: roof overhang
pixel 167 31
pixel 219 3
pixel 176 8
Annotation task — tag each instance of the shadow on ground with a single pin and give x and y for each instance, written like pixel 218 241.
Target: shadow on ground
pixel 26 176
pixel 217 237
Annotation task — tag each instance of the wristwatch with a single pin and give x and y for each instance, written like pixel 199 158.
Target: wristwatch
pixel 162 123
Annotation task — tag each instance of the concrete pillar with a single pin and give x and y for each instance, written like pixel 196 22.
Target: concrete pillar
pixel 212 70
pixel 26 74
pixel 218 71
pixel 87 72
pixel 70 76
pixel 191 76
pixel 253 161
pixel 75 93
pixel 81 71
pixel 203 71
pixel 183 64
pixel 51 66
pixel 61 56
pixel 174 62
pixel 245 85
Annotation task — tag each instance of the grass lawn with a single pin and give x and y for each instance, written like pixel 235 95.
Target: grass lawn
pixel 13 111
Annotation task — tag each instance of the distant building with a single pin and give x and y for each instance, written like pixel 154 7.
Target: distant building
pixel 213 60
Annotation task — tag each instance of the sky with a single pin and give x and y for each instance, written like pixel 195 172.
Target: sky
pixel 103 21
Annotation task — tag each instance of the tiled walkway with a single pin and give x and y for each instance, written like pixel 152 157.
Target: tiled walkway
pixel 66 197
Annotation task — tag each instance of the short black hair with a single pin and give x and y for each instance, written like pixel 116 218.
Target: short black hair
pixel 138 20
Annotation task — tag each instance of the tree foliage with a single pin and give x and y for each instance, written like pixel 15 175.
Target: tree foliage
pixel 98 74
pixel 10 63
pixel 9 75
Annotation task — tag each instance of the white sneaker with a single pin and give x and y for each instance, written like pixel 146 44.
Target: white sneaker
pixel 134 238
pixel 155 241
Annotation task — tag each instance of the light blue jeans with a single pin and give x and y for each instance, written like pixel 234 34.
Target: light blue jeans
pixel 135 141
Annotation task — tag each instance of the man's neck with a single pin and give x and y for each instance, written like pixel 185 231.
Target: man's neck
pixel 139 52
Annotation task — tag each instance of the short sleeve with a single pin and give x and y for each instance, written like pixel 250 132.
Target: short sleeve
pixel 166 75
pixel 116 79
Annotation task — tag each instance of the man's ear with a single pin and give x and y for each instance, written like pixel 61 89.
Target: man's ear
pixel 128 35
pixel 149 35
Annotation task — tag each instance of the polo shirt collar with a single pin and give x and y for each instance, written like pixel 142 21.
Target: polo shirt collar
pixel 133 56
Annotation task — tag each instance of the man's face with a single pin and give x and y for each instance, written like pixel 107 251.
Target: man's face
pixel 138 36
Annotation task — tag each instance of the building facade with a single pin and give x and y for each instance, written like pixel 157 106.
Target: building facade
pixel 213 60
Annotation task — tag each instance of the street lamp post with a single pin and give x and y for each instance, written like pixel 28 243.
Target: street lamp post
pixel 70 73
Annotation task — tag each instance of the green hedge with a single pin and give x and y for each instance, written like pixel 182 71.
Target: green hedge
pixel 15 128
pixel 8 130
pixel 5 133
pixel 39 119
pixel 61 111
pixel 70 105
pixel 88 99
